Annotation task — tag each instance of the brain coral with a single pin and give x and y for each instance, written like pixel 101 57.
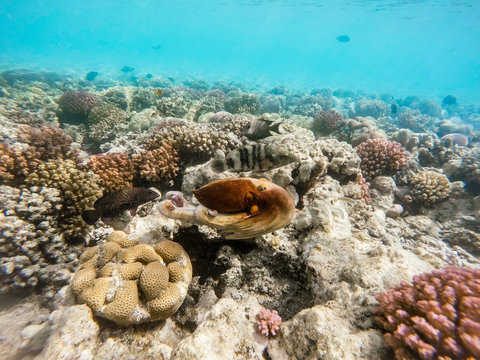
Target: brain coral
pixel 381 157
pixel 160 164
pixel 131 283
pixel 428 187
pixel 435 317
pixel 79 191
pixel 115 170
pixel 75 105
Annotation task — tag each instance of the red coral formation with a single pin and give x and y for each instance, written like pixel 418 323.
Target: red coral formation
pixel 435 317
pixel 268 322
pixel 77 102
pixel 160 164
pixel 381 157
pixel 115 170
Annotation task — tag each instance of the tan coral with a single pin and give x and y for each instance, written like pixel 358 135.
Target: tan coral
pixel 115 170
pixel 160 164
pixel 133 284
pixel 428 187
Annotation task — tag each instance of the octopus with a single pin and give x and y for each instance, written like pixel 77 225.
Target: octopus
pixel 239 208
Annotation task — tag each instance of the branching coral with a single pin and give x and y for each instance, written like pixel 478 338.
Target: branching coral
pixel 115 170
pixel 13 163
pixel 79 190
pixel 428 187
pixel 381 157
pixel 160 164
pixel 435 317
pixel 131 283
pixel 105 121
pixel 268 322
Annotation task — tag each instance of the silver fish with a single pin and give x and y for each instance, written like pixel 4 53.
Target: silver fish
pixel 260 157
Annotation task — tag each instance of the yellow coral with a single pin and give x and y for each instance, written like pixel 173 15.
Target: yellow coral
pixel 133 284
pixel 428 187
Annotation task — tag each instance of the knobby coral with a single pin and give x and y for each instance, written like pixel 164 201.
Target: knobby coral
pixel 428 187
pixel 131 283
pixel 381 157
pixel 268 322
pixel 105 121
pixel 326 122
pixel 160 164
pixel 79 190
pixel 13 163
pixel 75 105
pixel 240 208
pixel 115 170
pixel 435 317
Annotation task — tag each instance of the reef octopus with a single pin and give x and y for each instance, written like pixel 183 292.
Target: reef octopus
pixel 240 208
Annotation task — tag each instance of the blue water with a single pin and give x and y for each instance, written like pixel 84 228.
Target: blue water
pixel 426 48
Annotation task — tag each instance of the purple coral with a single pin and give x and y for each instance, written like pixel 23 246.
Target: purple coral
pixel 77 103
pixel 268 322
pixel 381 157
pixel 326 122
pixel 435 317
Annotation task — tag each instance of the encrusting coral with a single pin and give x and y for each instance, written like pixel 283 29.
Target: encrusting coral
pixel 240 208
pixel 115 170
pixel 131 283
pixel 435 317
pixel 428 187
pixel 79 190
pixel 381 157
pixel 268 322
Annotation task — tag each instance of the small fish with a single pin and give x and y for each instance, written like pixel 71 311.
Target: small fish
pixel 261 157
pixel 157 46
pixel 158 92
pixel 260 128
pixel 92 75
pixel 394 108
pixel 456 139
pixel 149 76
pixel 127 69
pixel 449 100
pixel 343 38
pixel 116 202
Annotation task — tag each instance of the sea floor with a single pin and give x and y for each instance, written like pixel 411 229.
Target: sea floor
pixel 384 188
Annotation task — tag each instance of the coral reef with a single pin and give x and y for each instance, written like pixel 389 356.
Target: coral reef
pixel 373 108
pixel 381 157
pixel 268 322
pixel 240 103
pixel 427 187
pixel 76 105
pixel 159 165
pixel 105 122
pixel 79 190
pixel 114 170
pixel 435 317
pixel 131 283
pixel 326 122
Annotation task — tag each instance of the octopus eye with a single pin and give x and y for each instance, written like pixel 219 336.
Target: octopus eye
pixel 261 188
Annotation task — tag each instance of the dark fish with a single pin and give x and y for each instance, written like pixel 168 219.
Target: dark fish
pixel 171 79
pixel 343 38
pixel 149 76
pixel 91 75
pixel 261 157
pixel 157 46
pixel 127 69
pixel 260 128
pixel 116 202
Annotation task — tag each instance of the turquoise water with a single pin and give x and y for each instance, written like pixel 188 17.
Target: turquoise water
pixel 425 48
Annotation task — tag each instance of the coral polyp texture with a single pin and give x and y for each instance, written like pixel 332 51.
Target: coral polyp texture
pixel 435 317
pixel 105 122
pixel 428 187
pixel 160 164
pixel 268 322
pixel 79 190
pixel 115 170
pixel 381 157
pixel 131 283
pixel 76 105
pixel 13 163
pixel 326 122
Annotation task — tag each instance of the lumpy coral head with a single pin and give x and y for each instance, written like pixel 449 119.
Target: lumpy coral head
pixel 435 317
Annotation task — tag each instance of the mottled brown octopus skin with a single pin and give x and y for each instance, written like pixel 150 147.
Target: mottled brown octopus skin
pixel 230 195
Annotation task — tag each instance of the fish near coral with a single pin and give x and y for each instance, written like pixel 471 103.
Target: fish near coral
pixel 455 139
pixel 260 157
pixel 116 202
pixel 260 128
pixel 240 208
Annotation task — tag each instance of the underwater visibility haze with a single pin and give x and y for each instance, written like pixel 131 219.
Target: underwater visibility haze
pixel 252 179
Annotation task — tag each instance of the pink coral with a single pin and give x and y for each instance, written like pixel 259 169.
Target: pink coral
pixel 435 317
pixel 381 157
pixel 268 322
pixel 115 170
pixel 77 102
